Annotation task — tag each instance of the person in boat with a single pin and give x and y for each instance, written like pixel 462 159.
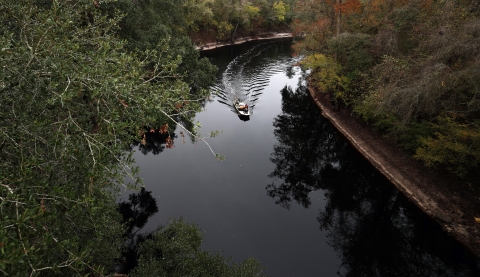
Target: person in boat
pixel 243 107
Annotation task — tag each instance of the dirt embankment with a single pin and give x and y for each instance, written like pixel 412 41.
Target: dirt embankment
pixel 439 195
pixel 211 43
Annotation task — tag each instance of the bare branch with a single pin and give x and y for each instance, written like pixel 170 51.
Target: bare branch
pixel 193 135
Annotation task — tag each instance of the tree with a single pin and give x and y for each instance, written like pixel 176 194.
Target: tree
pixel 73 99
pixel 407 67
pixel 244 14
pixel 280 9
pixel 326 75
pixel 455 146
pixel 149 22
pixel 312 25
pixel 318 20
pixel 197 13
pixel 345 8
pixel 174 250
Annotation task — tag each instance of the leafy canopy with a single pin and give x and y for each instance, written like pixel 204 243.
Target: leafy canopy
pixel 73 98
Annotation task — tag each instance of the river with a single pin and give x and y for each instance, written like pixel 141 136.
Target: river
pixel 291 191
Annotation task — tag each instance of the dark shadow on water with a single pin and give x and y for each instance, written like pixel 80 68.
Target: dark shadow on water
pixel 155 142
pixel 244 117
pixel 379 232
pixel 135 214
pixel 137 210
pixel 375 229
pixel 306 143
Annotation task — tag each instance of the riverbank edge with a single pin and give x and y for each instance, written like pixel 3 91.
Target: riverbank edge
pixel 421 185
pixel 408 175
pixel 215 45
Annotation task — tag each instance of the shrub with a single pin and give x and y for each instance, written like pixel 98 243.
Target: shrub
pixel 175 251
pixel 326 75
pixel 455 146
pixel 351 51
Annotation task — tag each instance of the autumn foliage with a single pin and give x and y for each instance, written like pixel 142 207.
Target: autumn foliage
pixel 412 71
pixel 348 7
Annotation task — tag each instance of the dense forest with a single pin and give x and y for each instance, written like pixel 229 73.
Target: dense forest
pixel 82 80
pixel 410 68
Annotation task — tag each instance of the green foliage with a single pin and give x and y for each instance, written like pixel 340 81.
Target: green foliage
pixel 148 23
pixel 251 11
pixel 455 147
pixel 352 52
pixel 224 28
pixel 410 135
pixel 197 13
pixel 326 75
pixel 375 103
pixel 403 20
pixel 174 250
pixel 418 62
pixel 73 98
pixel 365 107
pixel 198 72
pixel 226 19
pixel 280 9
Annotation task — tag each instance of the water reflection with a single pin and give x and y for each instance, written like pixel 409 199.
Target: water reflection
pixel 155 142
pixel 306 144
pixel 378 232
pixel 137 210
pixel 375 230
pixel 135 214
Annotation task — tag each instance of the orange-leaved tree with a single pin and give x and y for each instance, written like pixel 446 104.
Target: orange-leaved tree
pixel 318 20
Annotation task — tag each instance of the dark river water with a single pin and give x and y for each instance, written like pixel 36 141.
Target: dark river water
pixel 291 192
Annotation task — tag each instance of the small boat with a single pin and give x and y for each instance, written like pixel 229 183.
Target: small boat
pixel 241 108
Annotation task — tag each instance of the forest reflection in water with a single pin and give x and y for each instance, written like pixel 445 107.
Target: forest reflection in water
pixel 154 142
pixel 338 213
pixel 375 230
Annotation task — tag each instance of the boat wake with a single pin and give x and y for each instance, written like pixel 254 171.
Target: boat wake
pixel 247 83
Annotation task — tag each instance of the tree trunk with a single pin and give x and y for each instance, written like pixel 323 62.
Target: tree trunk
pixel 232 39
pixel 339 2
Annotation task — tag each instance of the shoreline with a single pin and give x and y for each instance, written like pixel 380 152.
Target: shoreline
pixel 432 192
pixel 215 45
pixel 425 188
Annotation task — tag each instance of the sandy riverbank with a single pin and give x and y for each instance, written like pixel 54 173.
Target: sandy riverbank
pixel 213 45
